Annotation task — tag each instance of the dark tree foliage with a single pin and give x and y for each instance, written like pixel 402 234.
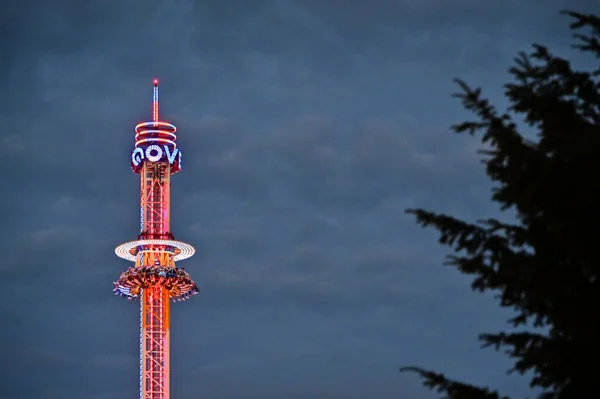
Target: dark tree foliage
pixel 546 266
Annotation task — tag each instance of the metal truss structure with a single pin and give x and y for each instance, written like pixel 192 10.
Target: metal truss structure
pixel 155 277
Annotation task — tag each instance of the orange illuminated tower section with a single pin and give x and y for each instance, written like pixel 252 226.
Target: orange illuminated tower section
pixel 155 278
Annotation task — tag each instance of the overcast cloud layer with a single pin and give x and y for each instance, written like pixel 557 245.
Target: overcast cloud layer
pixel 307 128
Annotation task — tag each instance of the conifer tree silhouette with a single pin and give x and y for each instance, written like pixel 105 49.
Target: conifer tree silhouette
pixel 546 265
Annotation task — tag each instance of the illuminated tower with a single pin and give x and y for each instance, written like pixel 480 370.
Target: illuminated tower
pixel 155 278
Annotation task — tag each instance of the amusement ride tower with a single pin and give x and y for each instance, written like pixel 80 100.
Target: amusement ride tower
pixel 155 278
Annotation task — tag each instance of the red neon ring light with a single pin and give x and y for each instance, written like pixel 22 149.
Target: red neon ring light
pixel 155 124
pixel 151 132
pixel 155 140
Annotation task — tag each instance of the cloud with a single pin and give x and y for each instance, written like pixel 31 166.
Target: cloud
pixel 307 129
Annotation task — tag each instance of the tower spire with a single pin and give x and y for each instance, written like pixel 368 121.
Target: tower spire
pixel 155 102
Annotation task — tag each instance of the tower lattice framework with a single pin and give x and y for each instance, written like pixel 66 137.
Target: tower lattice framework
pixel 155 279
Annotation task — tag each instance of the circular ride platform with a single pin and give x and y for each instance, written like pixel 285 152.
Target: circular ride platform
pixel 177 282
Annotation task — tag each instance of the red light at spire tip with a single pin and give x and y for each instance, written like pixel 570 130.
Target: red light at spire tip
pixel 155 82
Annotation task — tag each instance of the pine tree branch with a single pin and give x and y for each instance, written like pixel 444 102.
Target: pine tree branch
pixel 591 43
pixel 452 389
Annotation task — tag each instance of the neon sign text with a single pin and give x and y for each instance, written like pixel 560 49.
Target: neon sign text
pixel 154 153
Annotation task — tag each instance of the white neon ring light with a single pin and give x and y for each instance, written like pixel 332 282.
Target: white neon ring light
pixel 127 250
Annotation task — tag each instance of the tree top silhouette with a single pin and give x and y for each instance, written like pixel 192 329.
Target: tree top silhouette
pixel 544 266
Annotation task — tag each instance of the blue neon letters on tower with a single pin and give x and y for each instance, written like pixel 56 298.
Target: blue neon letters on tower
pixel 155 153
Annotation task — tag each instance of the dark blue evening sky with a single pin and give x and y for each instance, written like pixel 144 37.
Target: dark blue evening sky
pixel 307 128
